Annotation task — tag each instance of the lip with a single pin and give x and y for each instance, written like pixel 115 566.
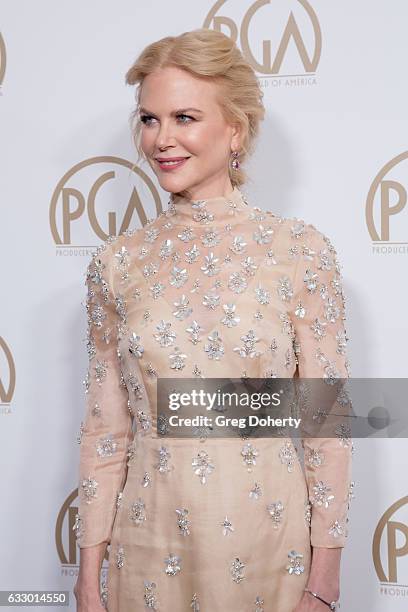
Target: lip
pixel 160 159
pixel 180 161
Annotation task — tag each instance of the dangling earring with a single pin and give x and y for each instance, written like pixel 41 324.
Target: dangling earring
pixel 235 162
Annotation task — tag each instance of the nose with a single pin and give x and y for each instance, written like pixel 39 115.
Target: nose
pixel 165 136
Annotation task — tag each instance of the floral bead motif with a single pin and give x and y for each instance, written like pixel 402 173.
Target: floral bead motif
pixel 78 526
pixel 163 464
pixel 202 465
pixel 336 529
pixel 137 512
pixel 183 522
pixel 227 526
pixel 249 454
pixel 89 487
pixel 314 457
pixel 320 496
pixel 106 446
pixel 195 604
pixel 275 511
pixel 120 557
pixel 237 569
pixel 259 603
pixel 149 596
pixel 172 565
pixel 287 455
pixel 295 566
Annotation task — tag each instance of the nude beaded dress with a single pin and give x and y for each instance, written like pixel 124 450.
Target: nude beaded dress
pixel 210 288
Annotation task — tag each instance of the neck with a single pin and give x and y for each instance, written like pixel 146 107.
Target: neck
pixel 207 211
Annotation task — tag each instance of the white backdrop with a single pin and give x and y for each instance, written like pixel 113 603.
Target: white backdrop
pixel 332 150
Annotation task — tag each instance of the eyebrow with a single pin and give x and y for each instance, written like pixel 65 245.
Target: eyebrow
pixel 176 112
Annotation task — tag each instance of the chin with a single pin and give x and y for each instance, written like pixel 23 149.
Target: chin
pixel 174 184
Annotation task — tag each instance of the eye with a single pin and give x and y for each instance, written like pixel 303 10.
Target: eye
pixel 188 117
pixel 145 119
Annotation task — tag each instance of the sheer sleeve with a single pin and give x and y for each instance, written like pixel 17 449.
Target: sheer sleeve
pixel 318 315
pixel 107 427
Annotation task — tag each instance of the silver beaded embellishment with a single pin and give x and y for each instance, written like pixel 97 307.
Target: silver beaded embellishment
pixel 172 565
pixel 163 465
pixel 202 465
pixel 295 566
pixel 89 488
pixel 236 570
pixel 146 480
pixel 255 492
pixel 78 526
pixel 336 530
pixel 106 446
pixel 137 512
pixel 227 526
pixel 195 605
pixel 275 511
pixel 320 495
pixel 149 596
pixel 183 522
pixel 259 602
pixel 287 455
pixel 249 454
pixel 120 557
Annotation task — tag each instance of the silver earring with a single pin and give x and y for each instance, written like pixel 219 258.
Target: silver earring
pixel 235 162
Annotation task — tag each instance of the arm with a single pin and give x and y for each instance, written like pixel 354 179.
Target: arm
pixel 320 345
pixel 107 426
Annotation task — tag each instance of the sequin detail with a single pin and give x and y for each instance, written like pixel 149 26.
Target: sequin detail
pixel 106 446
pixel 259 603
pixel 163 465
pixel 255 492
pixel 78 526
pixel 320 496
pixel 89 488
pixel 237 570
pixel 275 511
pixel 149 597
pixel 336 530
pixel 287 455
pixel 182 521
pixel 120 557
pixel 135 347
pixel 314 457
pixel 295 566
pixel 172 565
pixel 227 526
pixel 214 348
pixel 249 454
pixel 137 512
pixel 195 605
pixel 202 465
pixel 146 480
pixel 248 347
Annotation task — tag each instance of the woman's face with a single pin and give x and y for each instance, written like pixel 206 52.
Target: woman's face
pixel 201 135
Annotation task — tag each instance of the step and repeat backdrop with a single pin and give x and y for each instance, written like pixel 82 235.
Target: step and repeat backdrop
pixel 333 150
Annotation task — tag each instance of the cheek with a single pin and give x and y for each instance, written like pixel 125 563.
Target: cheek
pixel 200 139
pixel 146 141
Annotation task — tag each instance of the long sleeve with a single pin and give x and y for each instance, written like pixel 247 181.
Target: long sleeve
pixel 318 315
pixel 107 427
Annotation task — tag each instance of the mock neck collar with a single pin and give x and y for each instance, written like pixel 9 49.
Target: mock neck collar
pixel 219 210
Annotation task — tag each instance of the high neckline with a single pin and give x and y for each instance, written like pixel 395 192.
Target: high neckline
pixel 218 210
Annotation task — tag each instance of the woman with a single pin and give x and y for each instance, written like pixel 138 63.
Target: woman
pixel 210 525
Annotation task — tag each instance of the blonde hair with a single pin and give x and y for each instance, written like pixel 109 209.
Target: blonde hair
pixel 214 56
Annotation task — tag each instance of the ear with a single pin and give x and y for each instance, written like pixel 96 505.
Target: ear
pixel 236 137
